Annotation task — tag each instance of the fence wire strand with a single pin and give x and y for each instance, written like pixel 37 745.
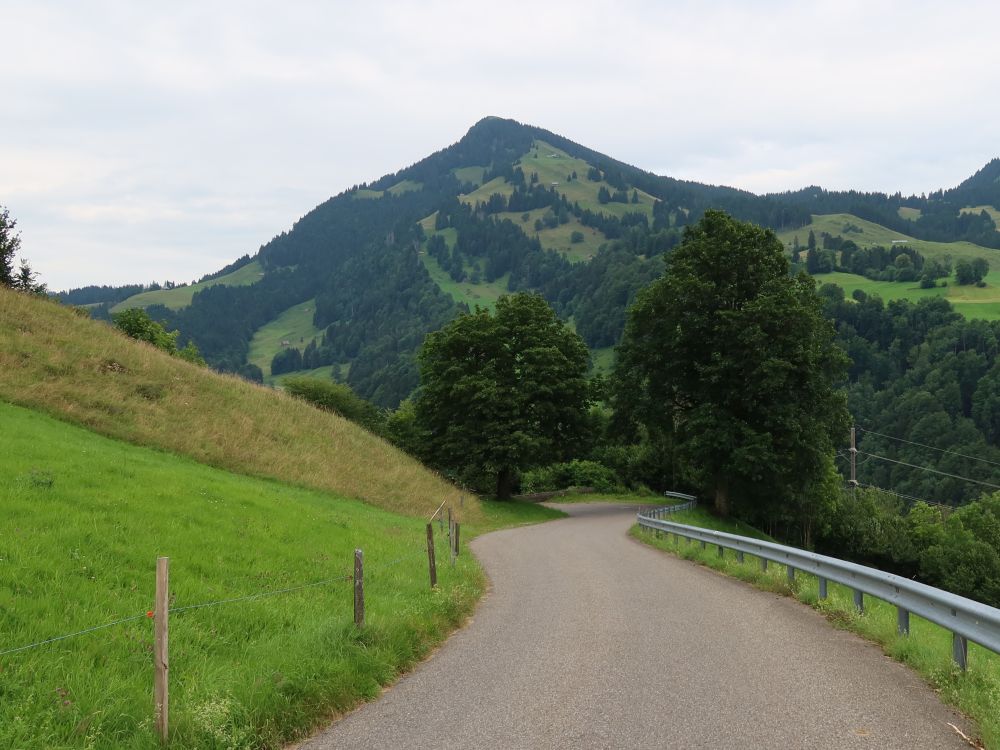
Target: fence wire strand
pixel 372 570
pixel 73 635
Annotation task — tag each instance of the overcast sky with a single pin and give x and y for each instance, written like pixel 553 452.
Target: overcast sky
pixel 143 142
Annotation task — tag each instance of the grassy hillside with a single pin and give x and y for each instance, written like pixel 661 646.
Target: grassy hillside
pixel 87 373
pixel 295 326
pixel 85 518
pixel 181 296
pixel 970 301
pixel 866 234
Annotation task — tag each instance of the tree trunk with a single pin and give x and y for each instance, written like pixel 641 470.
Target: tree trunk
pixel 505 483
pixel 721 497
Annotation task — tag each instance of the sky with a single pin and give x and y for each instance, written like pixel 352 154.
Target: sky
pixel 143 142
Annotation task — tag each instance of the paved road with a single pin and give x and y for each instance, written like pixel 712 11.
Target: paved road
pixel 589 639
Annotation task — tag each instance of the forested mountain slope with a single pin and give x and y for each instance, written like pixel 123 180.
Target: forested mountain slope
pixel 509 207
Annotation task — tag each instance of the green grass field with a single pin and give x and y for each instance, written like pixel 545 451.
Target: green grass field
pixel 910 214
pixel 405 186
pixel 554 166
pixel 294 325
pixel 927 649
pixel 874 234
pixel 181 296
pixel 483 294
pixel 85 518
pixel 559 238
pixel 971 301
pixel 473 175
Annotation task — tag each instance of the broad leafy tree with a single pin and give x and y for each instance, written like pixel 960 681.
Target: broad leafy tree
pixel 731 357
pixel 502 392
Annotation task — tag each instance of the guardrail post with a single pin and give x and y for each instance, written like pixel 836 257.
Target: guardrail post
pixel 859 600
pixel 791 574
pixel 703 544
pixel 902 621
pixel 722 551
pixel 763 565
pixel 960 651
pixel 739 556
pixel 822 587
pixel 161 664
pixel 430 555
pixel 359 588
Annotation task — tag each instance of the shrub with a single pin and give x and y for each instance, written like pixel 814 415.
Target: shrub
pixel 338 398
pixel 574 473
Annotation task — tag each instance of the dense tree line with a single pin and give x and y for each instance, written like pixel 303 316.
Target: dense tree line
pixel 923 373
pixel 940 218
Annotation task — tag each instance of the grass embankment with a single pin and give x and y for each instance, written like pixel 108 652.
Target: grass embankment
pixel 181 296
pixel 87 373
pixel 85 518
pixel 927 649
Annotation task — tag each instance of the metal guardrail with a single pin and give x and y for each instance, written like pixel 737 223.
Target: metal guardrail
pixel 967 620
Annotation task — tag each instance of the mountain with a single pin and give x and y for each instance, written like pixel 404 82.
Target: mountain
pixel 354 286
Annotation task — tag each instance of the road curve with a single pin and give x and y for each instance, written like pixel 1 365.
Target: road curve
pixel 589 639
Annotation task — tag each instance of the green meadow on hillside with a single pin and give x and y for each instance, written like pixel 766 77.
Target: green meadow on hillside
pixel 971 301
pixel 181 296
pixel 866 234
pixel 85 372
pixel 294 326
pixel 85 518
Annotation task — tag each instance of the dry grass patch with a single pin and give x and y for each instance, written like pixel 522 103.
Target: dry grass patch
pixel 87 373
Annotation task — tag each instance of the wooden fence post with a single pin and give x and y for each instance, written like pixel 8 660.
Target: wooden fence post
pixel 161 611
pixel 458 528
pixel 430 554
pixel 359 588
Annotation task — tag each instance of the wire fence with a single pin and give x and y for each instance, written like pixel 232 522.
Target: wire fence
pixel 371 571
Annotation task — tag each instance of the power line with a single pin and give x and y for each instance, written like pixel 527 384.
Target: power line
pixel 935 471
pixel 905 497
pixel 930 447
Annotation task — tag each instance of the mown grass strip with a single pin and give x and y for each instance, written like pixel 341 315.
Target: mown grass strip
pixel 927 649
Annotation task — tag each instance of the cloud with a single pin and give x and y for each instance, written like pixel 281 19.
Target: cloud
pixel 143 142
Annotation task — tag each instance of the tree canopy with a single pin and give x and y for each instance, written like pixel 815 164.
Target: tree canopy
pixel 730 357
pixel 502 392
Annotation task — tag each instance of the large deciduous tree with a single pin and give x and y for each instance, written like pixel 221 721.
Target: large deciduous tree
pixel 502 392
pixel 731 357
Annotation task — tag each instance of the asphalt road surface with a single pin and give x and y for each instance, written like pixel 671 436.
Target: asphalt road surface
pixel 589 639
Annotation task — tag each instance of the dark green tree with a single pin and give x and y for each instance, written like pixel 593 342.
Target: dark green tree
pixel 503 392
pixel 10 243
pixel 732 357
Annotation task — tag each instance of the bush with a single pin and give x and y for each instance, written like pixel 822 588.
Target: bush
pixel 574 473
pixel 338 398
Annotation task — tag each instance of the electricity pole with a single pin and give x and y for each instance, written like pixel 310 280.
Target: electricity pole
pixel 854 464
